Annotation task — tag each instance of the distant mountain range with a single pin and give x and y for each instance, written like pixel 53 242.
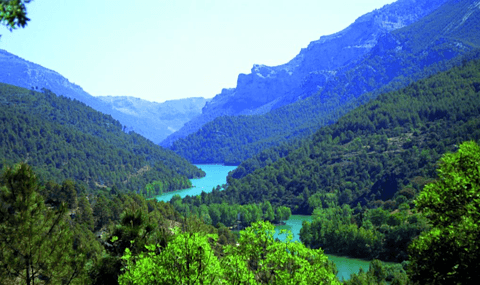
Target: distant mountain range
pixel 267 88
pixel 153 120
pixel 436 42
pixel 135 114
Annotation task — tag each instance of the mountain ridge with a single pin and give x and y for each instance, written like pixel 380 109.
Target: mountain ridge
pixel 63 139
pixel 400 57
pixel 155 120
pixel 267 88
pixel 23 73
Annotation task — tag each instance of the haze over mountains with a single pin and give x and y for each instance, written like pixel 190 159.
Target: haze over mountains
pixel 372 132
pixel 267 88
pixel 135 114
pixel 434 43
pixel 381 51
pixel 155 120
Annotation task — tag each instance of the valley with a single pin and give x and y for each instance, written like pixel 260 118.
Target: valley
pixel 355 162
pixel 215 175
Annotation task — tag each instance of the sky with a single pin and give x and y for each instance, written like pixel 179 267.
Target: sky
pixel 160 50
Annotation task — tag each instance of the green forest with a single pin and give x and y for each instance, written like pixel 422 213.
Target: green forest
pixel 381 149
pixel 126 239
pixel 64 139
pixel 359 177
pixel 417 51
pixel 386 160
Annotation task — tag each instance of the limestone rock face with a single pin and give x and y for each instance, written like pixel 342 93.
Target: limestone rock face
pixel 270 87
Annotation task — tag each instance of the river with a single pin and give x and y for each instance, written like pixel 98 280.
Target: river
pixel 345 265
pixel 217 175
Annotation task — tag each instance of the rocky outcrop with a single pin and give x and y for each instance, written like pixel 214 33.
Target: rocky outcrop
pixel 270 87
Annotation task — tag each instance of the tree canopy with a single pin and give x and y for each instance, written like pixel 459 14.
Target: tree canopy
pixel 34 241
pixel 13 13
pixel 450 252
pixel 257 258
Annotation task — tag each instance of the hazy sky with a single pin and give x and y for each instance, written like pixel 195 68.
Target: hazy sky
pixel 169 49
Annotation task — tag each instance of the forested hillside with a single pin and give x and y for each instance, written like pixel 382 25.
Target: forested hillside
pixel 378 156
pixel 152 120
pixel 435 43
pixel 65 139
pixel 124 239
pixel 375 150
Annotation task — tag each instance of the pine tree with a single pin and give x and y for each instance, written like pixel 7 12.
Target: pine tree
pixel 35 241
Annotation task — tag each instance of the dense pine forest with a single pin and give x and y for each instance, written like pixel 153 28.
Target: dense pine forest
pixel 385 160
pixel 64 139
pixel 123 238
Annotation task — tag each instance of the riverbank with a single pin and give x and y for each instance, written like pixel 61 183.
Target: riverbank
pixel 345 265
pixel 216 174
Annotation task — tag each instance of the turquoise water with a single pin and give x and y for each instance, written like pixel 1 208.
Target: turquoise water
pixel 216 174
pixel 345 265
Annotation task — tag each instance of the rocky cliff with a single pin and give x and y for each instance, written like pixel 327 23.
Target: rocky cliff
pixel 270 87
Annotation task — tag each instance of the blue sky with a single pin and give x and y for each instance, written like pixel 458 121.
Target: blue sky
pixel 169 49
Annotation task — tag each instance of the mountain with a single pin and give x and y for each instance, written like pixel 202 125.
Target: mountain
pixel 162 119
pixel 22 73
pixel 153 120
pixel 437 42
pixel 376 153
pixel 65 139
pixel 267 88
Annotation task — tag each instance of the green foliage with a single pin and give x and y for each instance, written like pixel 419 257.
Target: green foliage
pixel 40 243
pixel 232 215
pixel 377 150
pixel 380 155
pixel 285 262
pixel 380 273
pixel 13 13
pixel 187 259
pixel 256 259
pixel 36 243
pixel 371 233
pixel 64 139
pixel 433 44
pixel 449 252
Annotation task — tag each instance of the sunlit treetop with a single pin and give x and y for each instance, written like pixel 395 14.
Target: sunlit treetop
pixel 13 13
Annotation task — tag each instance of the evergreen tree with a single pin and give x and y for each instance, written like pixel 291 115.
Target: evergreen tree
pixel 35 241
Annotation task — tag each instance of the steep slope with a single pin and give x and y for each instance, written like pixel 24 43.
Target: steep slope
pixel 162 121
pixel 65 139
pixel 267 88
pixel 153 120
pixel 22 73
pixel 389 145
pixel 400 57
